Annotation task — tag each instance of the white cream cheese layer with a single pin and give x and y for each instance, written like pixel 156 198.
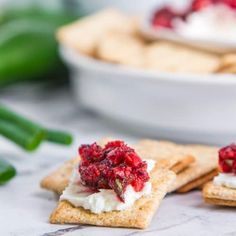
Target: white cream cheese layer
pixel 217 22
pixel 105 200
pixel 225 180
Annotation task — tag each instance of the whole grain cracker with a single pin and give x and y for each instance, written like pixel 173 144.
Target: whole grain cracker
pixel 84 34
pixel 183 164
pixel 220 202
pixel 138 216
pixel 125 49
pixel 171 57
pixel 167 154
pixel 199 172
pixel 199 182
pixel 59 179
pixel 219 195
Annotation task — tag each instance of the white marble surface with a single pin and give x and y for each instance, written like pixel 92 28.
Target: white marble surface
pixel 24 207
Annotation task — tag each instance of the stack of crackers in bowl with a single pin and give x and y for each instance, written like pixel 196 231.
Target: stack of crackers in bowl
pixel 178 169
pixel 113 37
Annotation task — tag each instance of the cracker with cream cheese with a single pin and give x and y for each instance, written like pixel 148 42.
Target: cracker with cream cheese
pixel 138 216
pixel 219 195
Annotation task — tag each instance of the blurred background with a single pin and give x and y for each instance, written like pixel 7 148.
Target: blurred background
pixel 46 80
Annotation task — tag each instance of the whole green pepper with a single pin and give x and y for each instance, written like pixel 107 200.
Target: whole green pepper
pixel 27 52
pixel 28 49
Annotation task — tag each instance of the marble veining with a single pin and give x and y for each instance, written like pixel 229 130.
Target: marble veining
pixel 63 231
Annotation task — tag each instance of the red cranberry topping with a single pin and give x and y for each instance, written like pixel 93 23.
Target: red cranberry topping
pixel 91 152
pixel 198 5
pixel 230 3
pixel 164 18
pixel 227 159
pixel 113 167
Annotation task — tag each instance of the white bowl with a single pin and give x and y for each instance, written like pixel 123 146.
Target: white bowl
pixel 189 108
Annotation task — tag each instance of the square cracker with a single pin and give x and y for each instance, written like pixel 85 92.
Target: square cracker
pixel 200 172
pixel 171 57
pixel 167 154
pixel 138 216
pixel 85 33
pixel 199 182
pixel 219 195
pixel 121 48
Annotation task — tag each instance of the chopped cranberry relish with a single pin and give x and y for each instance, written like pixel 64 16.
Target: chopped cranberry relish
pixel 164 16
pixel 227 159
pixel 198 5
pixel 113 167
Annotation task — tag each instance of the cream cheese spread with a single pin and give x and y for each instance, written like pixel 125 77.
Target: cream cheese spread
pixel 214 23
pixel 226 180
pixel 106 199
